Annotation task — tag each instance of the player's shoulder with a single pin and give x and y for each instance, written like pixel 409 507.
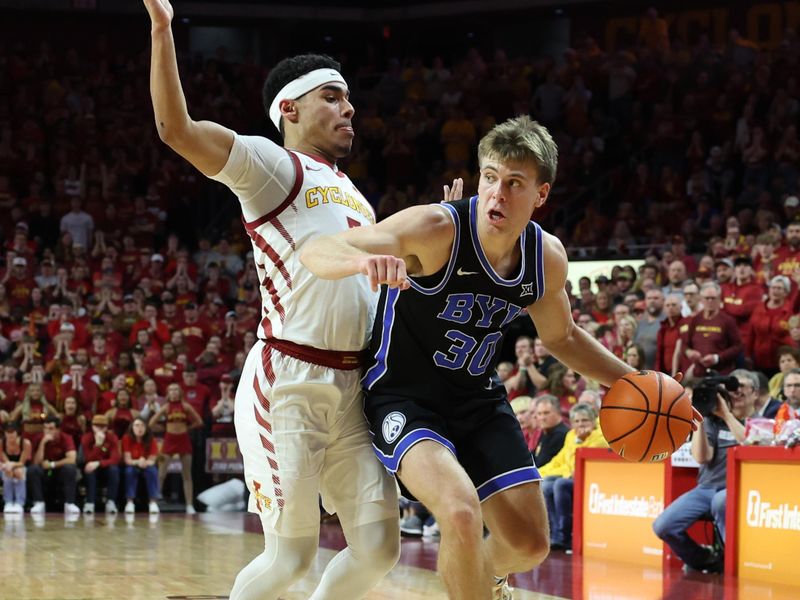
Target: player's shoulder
pixel 554 259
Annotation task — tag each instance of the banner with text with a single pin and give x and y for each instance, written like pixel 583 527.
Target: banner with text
pixel 621 501
pixel 769 521
pixel 223 456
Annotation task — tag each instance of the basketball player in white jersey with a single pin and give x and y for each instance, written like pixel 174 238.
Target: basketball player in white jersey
pixel 299 420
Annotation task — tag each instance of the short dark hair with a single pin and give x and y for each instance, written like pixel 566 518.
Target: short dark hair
pixel 290 69
pixel 53 419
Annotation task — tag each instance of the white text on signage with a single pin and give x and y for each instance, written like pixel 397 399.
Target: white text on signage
pixel 601 503
pixel 764 515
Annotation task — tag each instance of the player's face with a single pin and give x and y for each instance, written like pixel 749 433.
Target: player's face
pixel 508 194
pixel 327 120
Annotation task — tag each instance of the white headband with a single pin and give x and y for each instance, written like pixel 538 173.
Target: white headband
pixel 302 85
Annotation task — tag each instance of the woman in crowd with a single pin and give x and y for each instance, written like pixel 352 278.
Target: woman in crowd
pixel 121 415
pixel 72 422
pixel 139 454
pixel 33 410
pixel 564 384
pixel 634 356
pixel 15 453
pixel 769 326
pixel 180 418
pixel 788 359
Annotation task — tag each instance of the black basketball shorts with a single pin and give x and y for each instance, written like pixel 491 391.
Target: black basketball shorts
pixel 485 438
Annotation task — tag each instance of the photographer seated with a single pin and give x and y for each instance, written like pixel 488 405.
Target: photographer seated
pixel 725 402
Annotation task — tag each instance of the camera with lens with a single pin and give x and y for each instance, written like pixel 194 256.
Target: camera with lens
pixel 704 396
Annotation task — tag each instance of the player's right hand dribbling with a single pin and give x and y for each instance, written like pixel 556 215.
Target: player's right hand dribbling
pixel 381 269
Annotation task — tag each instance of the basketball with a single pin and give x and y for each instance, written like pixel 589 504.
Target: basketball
pixel 646 416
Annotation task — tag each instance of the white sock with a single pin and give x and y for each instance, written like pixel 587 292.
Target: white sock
pixel 372 550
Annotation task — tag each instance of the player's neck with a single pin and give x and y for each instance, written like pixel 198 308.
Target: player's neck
pixel 502 251
pixel 306 147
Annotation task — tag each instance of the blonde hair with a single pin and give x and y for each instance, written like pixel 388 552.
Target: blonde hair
pixel 522 139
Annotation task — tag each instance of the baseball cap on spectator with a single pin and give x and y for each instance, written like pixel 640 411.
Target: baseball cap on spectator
pixel 230 313
pixel 724 261
pixel 601 279
pixel 190 306
pixel 100 420
pixel 19 261
pixel 21 225
pixel 157 258
pixel 128 298
pixel 742 259
pixel 792 201
pixel 137 349
pixel 219 301
pixel 703 273
pixel 226 379
pixel 67 326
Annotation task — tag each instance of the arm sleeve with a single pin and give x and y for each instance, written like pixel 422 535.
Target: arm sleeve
pixel 260 173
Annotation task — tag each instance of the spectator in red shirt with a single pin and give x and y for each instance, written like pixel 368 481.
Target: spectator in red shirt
pixel 84 390
pixel 101 453
pixel 711 339
pixel 139 453
pixel 789 255
pixel 158 330
pixel 19 283
pixel 668 335
pixel 214 285
pixel 194 330
pixel 195 393
pixel 169 311
pixel 122 413
pixel 211 312
pixel 769 326
pixel 54 461
pixel 742 297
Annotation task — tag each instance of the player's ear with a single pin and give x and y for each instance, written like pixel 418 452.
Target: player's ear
pixel 289 110
pixel 542 193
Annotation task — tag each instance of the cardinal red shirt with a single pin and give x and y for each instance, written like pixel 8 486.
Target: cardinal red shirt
pixel 137 449
pixel 199 397
pixel 769 330
pixel 57 448
pixel 107 452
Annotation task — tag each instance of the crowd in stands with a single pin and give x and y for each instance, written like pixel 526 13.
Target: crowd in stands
pixel 128 300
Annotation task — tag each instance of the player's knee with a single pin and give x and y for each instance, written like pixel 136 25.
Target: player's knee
pixel 461 516
pixel 381 547
pixel 530 546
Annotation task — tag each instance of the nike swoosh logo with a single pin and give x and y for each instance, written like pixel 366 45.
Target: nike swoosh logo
pixel 462 272
pixel 313 169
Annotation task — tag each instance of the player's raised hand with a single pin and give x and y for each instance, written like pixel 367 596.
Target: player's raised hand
pixel 161 13
pixel 451 194
pixel 385 269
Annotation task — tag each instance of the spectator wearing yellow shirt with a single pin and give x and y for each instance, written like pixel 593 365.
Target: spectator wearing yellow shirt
pixel 557 474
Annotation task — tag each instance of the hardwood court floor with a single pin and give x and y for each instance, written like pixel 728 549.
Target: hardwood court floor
pixel 174 556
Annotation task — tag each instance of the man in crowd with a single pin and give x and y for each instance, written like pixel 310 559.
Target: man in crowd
pixel 668 336
pixel 547 410
pixel 648 326
pixel 710 445
pixel 54 461
pixel 710 340
pixel 742 296
pixel 101 455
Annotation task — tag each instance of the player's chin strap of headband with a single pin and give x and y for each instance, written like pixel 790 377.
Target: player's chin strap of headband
pixel 302 85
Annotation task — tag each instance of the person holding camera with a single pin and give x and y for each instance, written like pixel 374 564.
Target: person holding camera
pixel 725 411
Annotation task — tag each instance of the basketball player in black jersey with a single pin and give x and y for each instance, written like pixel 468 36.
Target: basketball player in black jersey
pixel 456 274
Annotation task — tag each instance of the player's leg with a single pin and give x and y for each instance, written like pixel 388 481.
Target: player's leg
pixel 494 454
pixel 357 487
pixel 283 446
pixel 672 525
pixel 432 474
pixel 517 521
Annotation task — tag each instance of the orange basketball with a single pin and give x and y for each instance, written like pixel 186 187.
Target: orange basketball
pixel 646 416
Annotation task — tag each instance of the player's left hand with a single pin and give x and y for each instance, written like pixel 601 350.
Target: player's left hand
pixel 454 193
pixel 385 269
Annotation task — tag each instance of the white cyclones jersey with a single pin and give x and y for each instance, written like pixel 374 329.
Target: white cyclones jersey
pixel 287 199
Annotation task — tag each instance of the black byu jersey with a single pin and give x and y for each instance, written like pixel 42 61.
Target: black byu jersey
pixel 440 337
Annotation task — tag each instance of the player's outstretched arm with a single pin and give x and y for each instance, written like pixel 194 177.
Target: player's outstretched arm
pixel 411 241
pixel 204 144
pixel 552 316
